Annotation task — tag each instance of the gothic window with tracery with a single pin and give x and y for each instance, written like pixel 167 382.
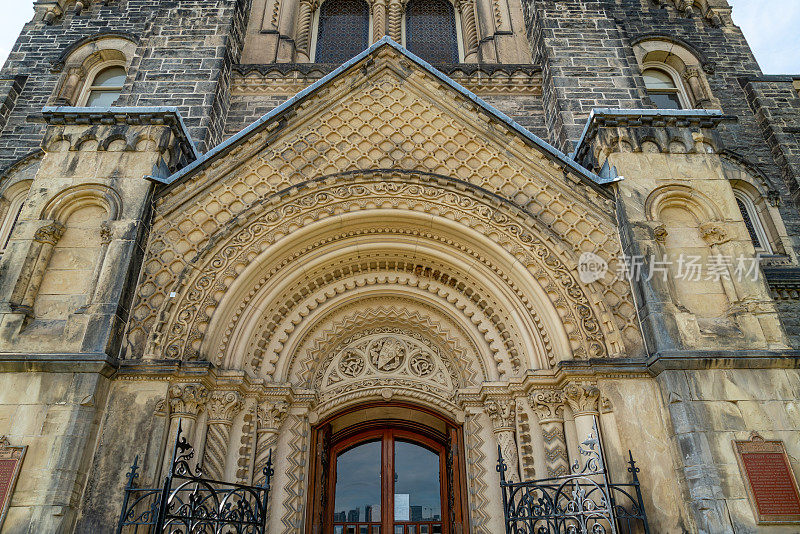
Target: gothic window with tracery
pixel 342 31
pixel 431 30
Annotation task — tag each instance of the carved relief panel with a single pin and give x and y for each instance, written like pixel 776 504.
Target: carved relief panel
pixel 383 353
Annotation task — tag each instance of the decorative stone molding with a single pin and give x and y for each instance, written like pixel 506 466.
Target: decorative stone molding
pixel 50 233
pixel 303 35
pixel 378 19
pixel 582 398
pixel 713 233
pixel 396 20
pixel 640 130
pixel 547 261
pixel 502 412
pixel 270 416
pixel 660 233
pixel 187 400
pixel 482 79
pixel 222 407
pixel 121 129
pixel 27 285
pixel 467 10
pixel 549 408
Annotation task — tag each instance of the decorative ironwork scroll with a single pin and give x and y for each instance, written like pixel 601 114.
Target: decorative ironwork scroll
pixel 10 464
pixel 189 503
pixel 584 501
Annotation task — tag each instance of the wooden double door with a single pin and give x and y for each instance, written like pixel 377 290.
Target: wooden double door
pixel 389 480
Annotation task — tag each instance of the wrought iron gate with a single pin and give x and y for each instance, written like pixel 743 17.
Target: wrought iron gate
pixel 188 503
pixel 583 502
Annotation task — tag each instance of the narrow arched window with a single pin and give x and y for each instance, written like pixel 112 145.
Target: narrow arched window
pixel 431 30
pixel 106 87
pixel 343 30
pixel 662 89
pixel 16 198
pixel 752 221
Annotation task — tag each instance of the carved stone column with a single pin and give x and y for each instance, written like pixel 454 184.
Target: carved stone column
pixel 584 400
pixel 503 415
pixel 185 403
pixel 396 20
pixel 222 408
pixel 27 286
pixel 303 35
pixel 270 417
pixel 549 408
pixel 692 78
pixel 470 29
pixel 378 19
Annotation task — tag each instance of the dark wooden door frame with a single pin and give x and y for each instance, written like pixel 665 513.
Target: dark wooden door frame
pixel 322 480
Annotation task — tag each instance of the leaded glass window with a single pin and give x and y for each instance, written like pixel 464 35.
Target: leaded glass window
pixel 343 30
pixel 431 30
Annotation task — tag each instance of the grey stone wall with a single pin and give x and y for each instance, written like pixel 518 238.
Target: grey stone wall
pixel 185 55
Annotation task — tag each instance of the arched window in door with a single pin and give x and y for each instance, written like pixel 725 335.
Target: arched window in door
pixel 342 30
pixel 388 480
pixel 431 30
pixel 387 468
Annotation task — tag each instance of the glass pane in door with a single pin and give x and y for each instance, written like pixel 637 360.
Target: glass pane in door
pixel 417 493
pixel 357 503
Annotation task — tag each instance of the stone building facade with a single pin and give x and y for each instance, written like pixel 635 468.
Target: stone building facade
pixel 211 216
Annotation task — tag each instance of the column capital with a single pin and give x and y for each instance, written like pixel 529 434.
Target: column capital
pixel 548 404
pixel 583 398
pixel 271 414
pixel 186 400
pixel 222 406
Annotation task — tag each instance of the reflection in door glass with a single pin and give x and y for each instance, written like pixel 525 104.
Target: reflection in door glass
pixel 358 488
pixel 417 492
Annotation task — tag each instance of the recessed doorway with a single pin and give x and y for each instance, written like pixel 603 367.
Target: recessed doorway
pixel 387 475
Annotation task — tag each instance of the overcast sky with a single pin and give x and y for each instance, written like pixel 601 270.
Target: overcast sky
pixel 770 27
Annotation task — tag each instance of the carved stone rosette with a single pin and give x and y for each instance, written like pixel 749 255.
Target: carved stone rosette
pixel 222 408
pixel 502 412
pixel 270 417
pixel 549 408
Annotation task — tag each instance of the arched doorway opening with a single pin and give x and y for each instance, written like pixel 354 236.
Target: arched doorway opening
pixel 391 468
